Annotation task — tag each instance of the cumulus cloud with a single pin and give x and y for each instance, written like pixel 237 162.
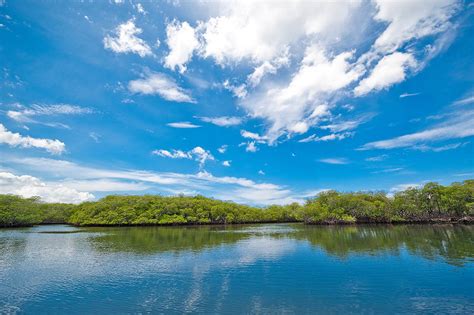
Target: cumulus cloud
pixel 261 31
pixel 182 41
pixel 324 57
pixel 389 70
pixel 198 153
pixel 300 103
pixel 183 125
pixel 17 140
pixel 226 163
pixel 162 85
pixel 29 186
pixel 124 40
pixel 222 149
pixel 223 121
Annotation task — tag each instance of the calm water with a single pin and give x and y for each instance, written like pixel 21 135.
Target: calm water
pixel 268 269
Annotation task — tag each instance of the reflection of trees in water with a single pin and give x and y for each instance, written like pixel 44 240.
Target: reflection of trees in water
pixel 149 240
pixel 453 243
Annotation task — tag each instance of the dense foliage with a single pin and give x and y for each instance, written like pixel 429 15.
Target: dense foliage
pixel 430 203
pixel 159 210
pixel 18 211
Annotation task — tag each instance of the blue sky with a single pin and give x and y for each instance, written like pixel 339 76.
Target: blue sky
pixel 259 102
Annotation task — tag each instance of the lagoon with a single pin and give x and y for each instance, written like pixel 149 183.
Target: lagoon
pixel 251 269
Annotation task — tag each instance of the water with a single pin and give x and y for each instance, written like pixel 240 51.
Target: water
pixel 268 269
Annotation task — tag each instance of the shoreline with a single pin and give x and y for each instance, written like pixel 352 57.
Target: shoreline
pixel 433 221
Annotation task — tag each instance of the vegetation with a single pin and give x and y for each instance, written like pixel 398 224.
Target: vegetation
pixel 18 211
pixel 159 210
pixel 431 203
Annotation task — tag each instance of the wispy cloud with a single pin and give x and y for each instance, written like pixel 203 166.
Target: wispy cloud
pixel 183 125
pixel 403 95
pixel 31 114
pixel 329 137
pixel 459 124
pixel 336 161
pixel 389 170
pixel 452 146
pixel 465 101
pixel 377 158
pixel 162 85
pixel 223 121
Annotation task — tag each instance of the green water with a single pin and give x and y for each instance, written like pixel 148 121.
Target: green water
pixel 252 269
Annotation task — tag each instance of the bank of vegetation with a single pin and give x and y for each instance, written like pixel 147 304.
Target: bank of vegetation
pixel 428 204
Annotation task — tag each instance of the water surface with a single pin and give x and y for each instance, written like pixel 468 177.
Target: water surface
pixel 268 269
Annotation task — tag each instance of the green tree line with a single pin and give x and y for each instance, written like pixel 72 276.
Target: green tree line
pixel 430 203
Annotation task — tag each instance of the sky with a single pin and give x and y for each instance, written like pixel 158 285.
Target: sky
pixel 258 102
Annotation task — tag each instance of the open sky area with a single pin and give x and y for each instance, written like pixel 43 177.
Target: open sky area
pixel 259 102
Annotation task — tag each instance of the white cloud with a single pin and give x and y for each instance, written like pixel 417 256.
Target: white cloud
pixel 162 85
pixel 254 136
pixel 337 161
pixel 25 115
pixel 316 42
pixel 262 31
pixel 344 125
pixel 259 72
pixel 411 20
pixel 198 154
pixel 174 154
pixel 182 41
pixel 465 101
pixel 459 125
pixel 104 185
pixel 403 95
pixel 389 70
pixel 330 137
pixel 260 172
pixel 222 149
pixel 389 170
pixel 226 163
pixel 140 9
pixel 183 125
pixel 223 121
pixel 95 136
pixel 125 40
pixel 377 158
pixel 29 186
pixel 300 103
pixel 452 146
pixel 228 188
pixel 239 91
pixel 17 140
pixel 251 147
